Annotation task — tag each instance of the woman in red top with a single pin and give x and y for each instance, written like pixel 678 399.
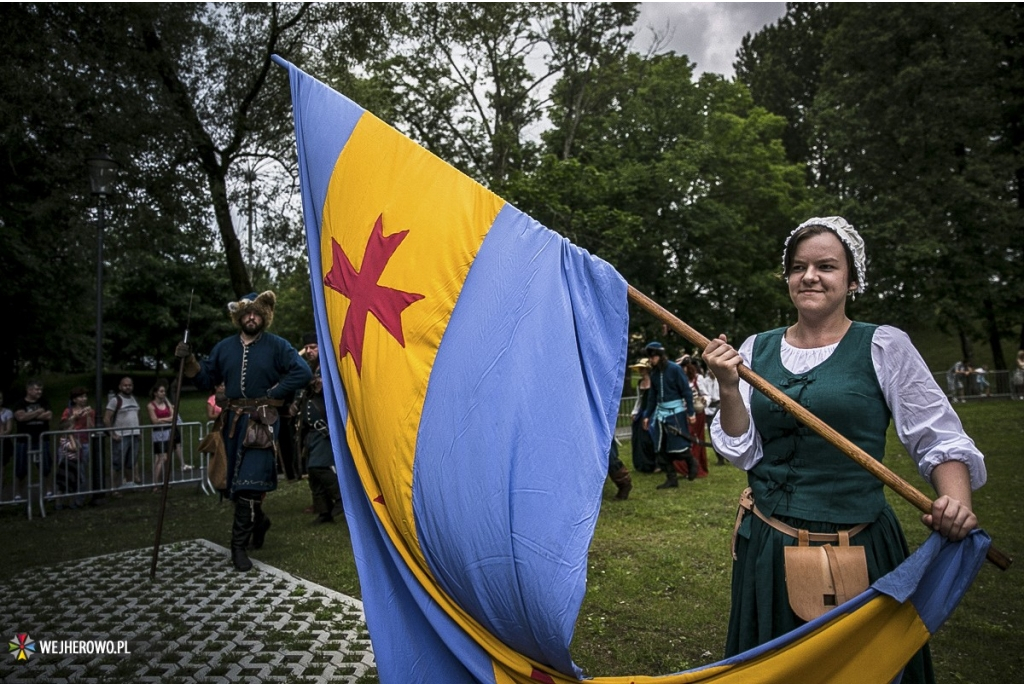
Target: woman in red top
pixel 161 413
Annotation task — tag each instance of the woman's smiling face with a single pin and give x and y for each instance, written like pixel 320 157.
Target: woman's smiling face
pixel 819 276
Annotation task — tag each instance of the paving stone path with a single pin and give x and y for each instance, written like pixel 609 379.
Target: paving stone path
pixel 199 622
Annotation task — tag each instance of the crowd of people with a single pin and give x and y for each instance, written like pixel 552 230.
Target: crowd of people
pixel 81 464
pixel 71 464
pixel 265 396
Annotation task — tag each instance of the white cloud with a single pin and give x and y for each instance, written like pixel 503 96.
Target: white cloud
pixel 709 33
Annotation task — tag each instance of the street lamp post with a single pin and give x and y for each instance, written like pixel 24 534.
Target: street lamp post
pixel 102 169
pixel 250 177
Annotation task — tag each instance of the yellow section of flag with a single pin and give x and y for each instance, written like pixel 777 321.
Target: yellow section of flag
pixel 381 173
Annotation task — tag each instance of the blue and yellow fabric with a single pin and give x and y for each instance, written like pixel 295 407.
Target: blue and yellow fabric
pixel 473 363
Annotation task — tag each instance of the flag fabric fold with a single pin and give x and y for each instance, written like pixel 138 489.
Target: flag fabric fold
pixel 473 363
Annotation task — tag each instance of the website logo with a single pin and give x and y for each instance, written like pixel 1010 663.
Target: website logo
pixel 23 647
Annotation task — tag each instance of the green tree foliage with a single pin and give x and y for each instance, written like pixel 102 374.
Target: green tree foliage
pixel 470 80
pixel 186 97
pixel 462 86
pixel 908 117
pixel 683 186
pixel 781 65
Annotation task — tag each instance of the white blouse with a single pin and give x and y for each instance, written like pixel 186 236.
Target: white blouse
pixel 925 421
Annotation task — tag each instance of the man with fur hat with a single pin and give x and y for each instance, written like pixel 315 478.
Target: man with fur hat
pixel 259 370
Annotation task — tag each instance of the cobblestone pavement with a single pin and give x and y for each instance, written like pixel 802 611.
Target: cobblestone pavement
pixel 198 622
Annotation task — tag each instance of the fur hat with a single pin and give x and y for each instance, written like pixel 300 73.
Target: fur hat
pixel 262 304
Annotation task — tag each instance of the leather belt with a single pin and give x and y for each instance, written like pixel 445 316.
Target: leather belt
pixel 792 532
pixel 747 504
pixel 246 403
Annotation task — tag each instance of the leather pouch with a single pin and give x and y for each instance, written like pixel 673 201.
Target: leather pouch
pixel 821 578
pixel 259 433
pixel 217 465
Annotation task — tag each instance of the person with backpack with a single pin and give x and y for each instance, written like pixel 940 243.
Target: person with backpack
pixel 122 413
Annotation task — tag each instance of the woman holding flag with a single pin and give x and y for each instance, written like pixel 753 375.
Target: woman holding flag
pixel 856 377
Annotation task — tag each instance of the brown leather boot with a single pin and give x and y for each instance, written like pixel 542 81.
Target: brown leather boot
pixel 623 482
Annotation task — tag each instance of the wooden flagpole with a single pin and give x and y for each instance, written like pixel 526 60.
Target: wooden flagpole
pixel 804 416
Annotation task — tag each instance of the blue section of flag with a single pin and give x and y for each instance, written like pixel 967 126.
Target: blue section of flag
pixel 512 450
pixel 937 575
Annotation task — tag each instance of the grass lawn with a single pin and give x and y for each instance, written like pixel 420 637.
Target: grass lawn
pixel 659 570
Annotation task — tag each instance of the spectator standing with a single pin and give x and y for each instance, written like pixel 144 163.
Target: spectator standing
pixel 956 379
pixel 1017 381
pixel 259 370
pixel 668 413
pixel 161 414
pixel 122 413
pixel 6 428
pixel 80 418
pixel 215 402
pixel 33 416
pixel 984 389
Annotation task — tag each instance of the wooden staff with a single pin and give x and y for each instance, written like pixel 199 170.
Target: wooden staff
pixel 171 444
pixel 804 416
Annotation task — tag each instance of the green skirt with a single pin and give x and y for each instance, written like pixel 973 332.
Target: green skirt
pixel 760 603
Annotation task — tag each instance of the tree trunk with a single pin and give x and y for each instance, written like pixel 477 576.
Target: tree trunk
pixel 966 349
pixel 239 275
pixel 998 360
pixel 214 162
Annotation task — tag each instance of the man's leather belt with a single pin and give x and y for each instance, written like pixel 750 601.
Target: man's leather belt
pixel 246 403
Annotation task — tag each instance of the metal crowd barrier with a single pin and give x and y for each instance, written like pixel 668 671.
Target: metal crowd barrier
pixel 999 384
pixel 65 475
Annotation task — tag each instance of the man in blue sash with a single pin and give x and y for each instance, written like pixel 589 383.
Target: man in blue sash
pixel 670 408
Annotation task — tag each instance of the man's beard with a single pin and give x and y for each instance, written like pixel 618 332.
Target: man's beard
pixel 252 328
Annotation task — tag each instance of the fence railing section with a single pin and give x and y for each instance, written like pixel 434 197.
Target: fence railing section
pixel 67 468
pixel 1000 384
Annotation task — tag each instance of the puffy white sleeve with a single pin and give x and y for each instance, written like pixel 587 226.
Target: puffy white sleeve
pixel 743 451
pixel 925 421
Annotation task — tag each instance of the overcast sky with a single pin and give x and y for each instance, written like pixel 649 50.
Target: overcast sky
pixel 709 33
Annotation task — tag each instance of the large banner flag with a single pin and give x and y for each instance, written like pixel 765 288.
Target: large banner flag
pixel 473 364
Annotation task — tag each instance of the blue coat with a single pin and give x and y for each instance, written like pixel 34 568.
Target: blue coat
pixel 669 403
pixel 268 367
